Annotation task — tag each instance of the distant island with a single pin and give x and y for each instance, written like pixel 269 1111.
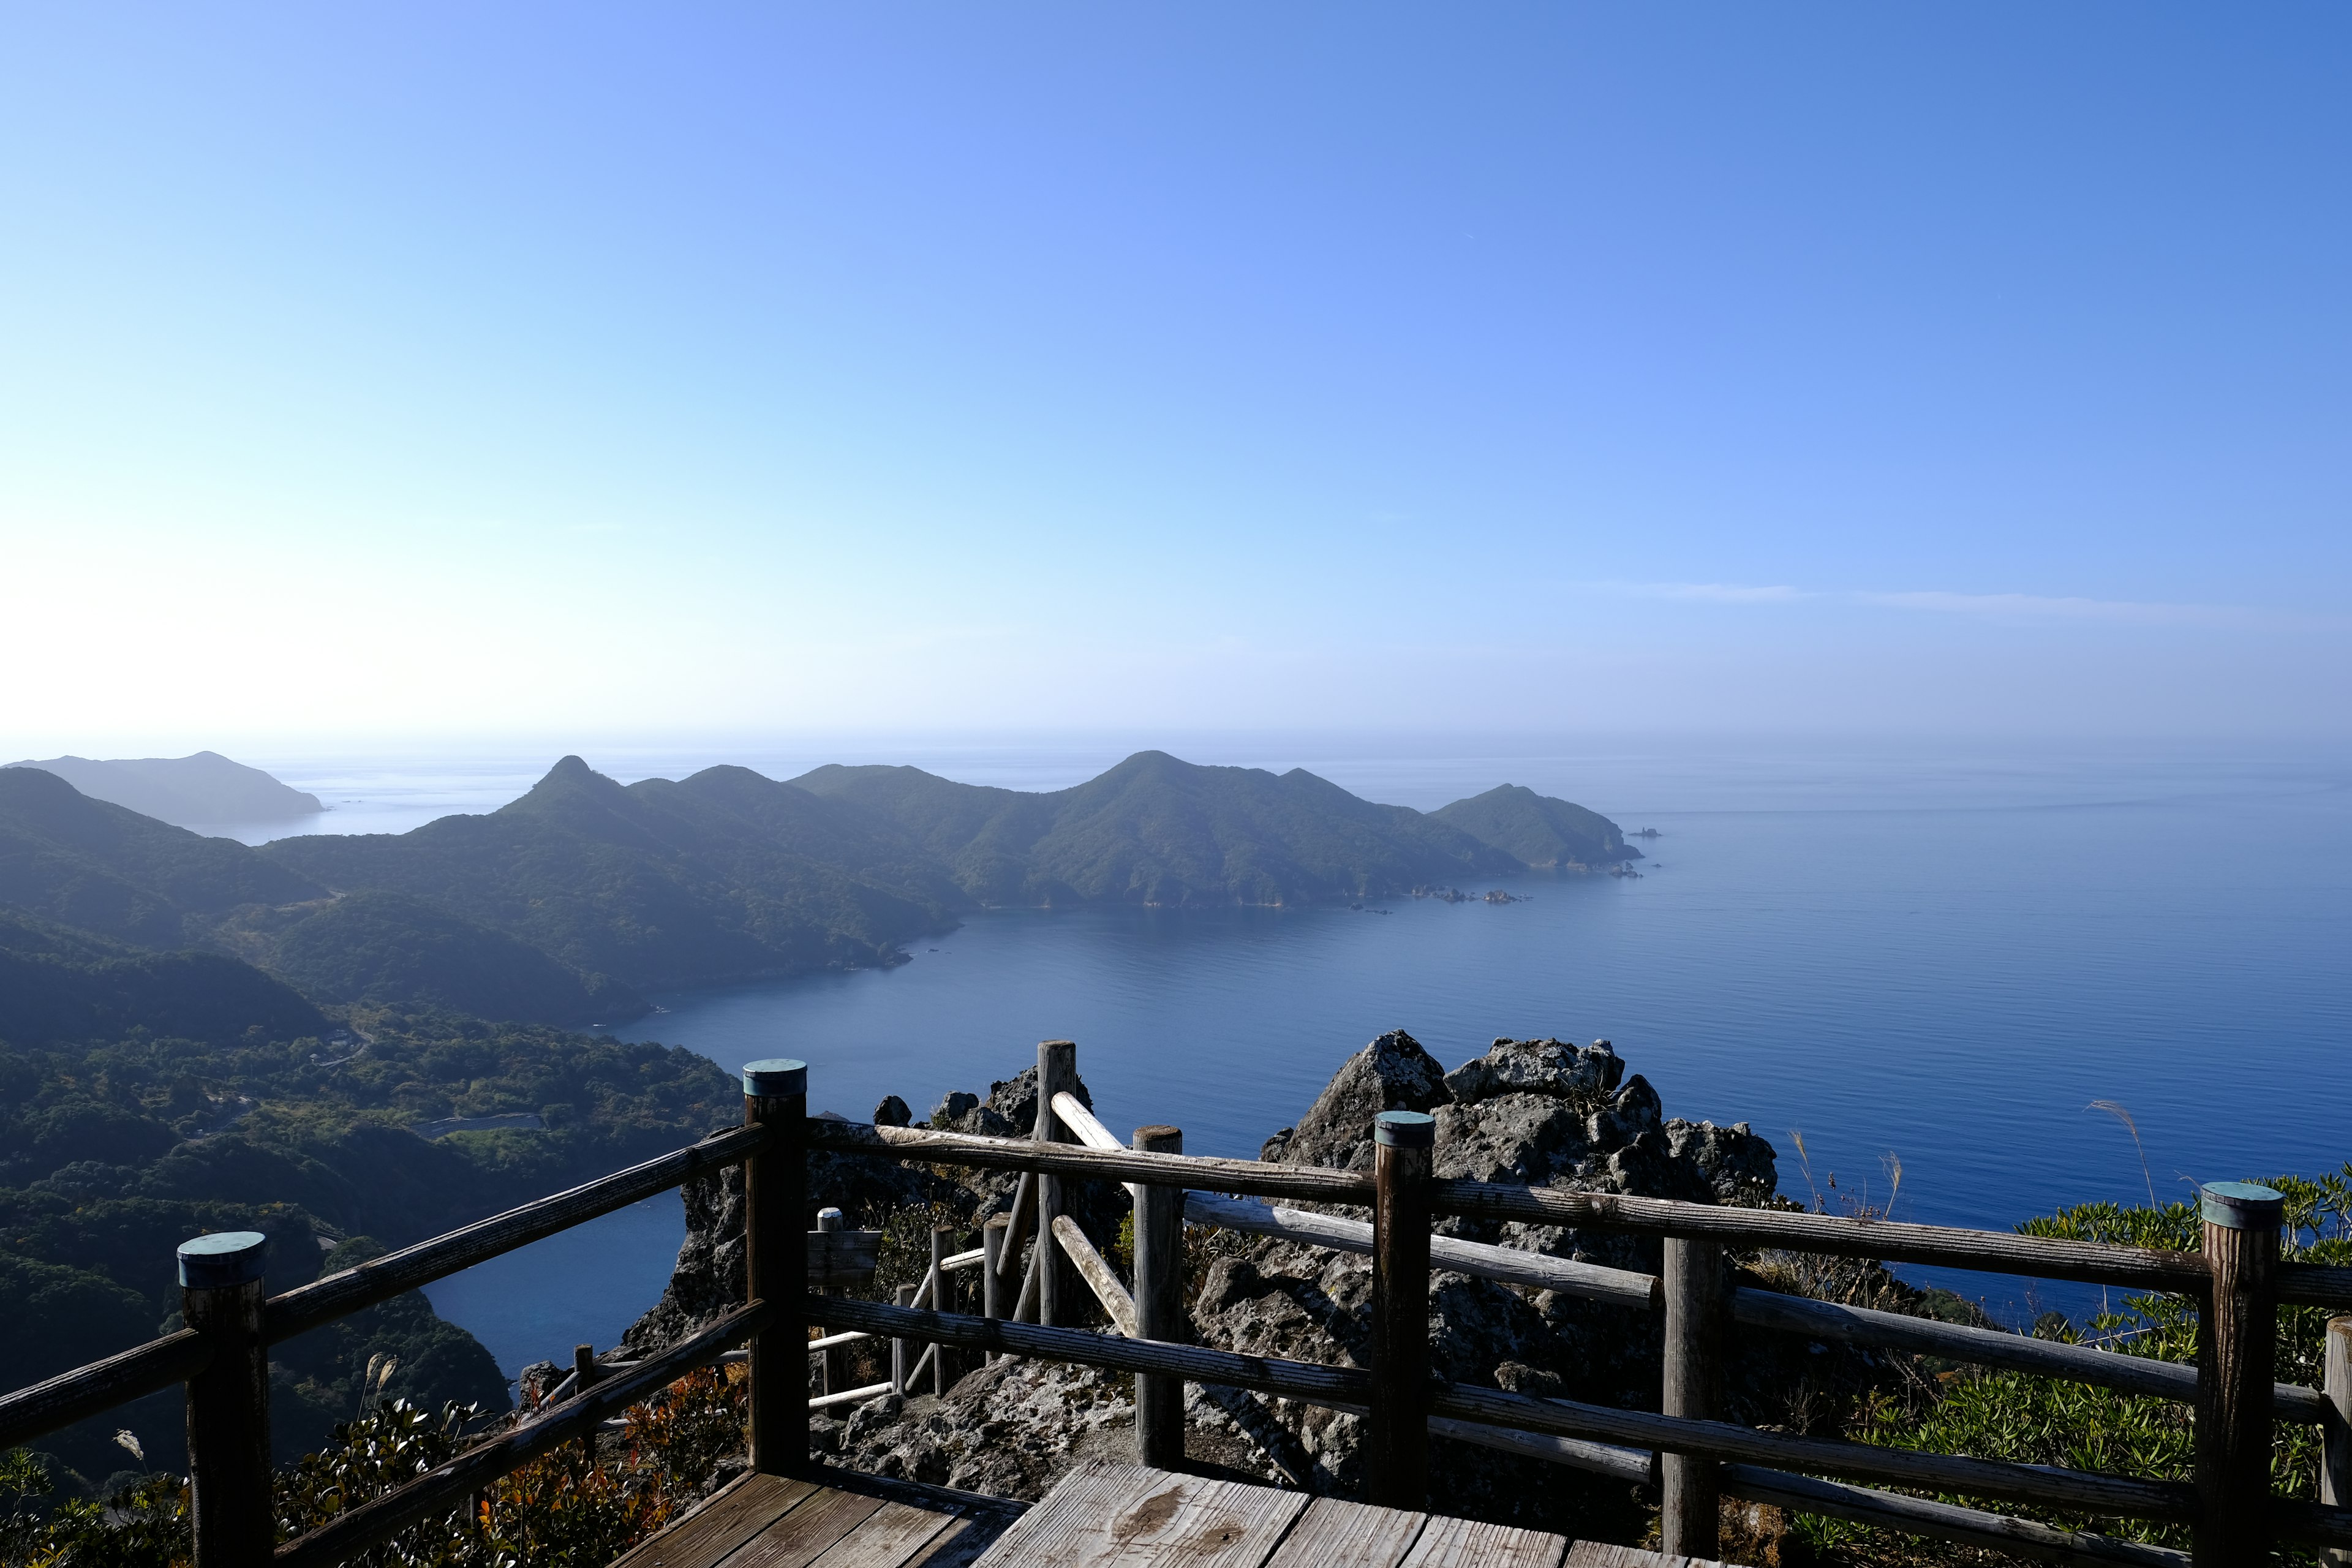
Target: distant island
pixel 194 791
pixel 565 906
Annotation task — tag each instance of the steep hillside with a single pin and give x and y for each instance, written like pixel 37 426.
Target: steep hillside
pixel 1538 829
pixel 203 788
pixel 59 985
pixel 106 868
pixel 661 883
pixel 389 948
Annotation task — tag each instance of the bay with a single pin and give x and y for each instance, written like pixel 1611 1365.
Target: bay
pixel 1935 957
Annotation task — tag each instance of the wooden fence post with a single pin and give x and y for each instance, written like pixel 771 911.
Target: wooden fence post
pixel 2237 1340
pixel 829 1378
pixel 2335 1463
pixel 1696 1303
pixel 944 1299
pixel 228 1403
pixel 775 1263
pixel 1057 1070
pixel 899 1360
pixel 1159 1304
pixel 1404 1143
pixel 992 1281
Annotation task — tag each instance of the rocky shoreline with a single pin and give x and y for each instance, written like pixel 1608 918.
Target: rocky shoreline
pixel 1543 1111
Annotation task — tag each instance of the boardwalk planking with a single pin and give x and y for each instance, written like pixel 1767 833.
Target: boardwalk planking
pixel 1599 1555
pixel 802 1535
pixel 1102 1514
pixel 1466 1544
pixel 1334 1534
pixel 746 1506
pixel 890 1539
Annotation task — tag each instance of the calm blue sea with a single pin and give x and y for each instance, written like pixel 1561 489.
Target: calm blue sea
pixel 1930 959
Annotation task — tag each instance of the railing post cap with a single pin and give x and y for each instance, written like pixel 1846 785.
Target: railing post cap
pixel 1405 1130
pixel 2240 1205
pixel 830 1219
pixel 777 1075
pixel 224 1257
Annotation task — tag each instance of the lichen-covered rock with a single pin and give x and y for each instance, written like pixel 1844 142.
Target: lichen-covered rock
pixel 1538 1066
pixel 1392 1073
pixel 1740 1167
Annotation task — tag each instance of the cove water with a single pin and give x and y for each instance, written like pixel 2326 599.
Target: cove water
pixel 1926 960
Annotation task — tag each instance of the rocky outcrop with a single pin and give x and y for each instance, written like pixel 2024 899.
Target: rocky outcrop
pixel 1546 1112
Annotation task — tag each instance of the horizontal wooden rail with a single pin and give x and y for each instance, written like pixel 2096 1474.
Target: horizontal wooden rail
pixel 2080 1490
pixel 1511 1265
pixel 85 1391
pixel 1633 1466
pixel 447 1485
pixel 1949 1246
pixel 2317 1522
pixel 2316 1285
pixel 1259 1178
pixel 350 1291
pixel 1943 1521
pixel 1992 1347
pixel 1300 1380
pixel 1343 1386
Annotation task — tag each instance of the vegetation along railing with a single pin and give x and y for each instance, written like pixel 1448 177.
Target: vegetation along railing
pixel 2238 1283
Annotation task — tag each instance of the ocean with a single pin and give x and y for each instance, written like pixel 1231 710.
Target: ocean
pixel 1927 963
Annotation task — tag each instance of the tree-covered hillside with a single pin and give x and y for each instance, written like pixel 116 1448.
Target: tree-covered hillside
pixel 102 868
pixel 1159 830
pixel 660 883
pixel 113 1152
pixel 1538 829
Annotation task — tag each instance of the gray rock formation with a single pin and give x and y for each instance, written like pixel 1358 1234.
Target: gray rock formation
pixel 1539 1111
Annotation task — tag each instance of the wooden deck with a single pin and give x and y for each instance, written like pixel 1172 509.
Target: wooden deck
pixel 845 1520
pixel 1100 1515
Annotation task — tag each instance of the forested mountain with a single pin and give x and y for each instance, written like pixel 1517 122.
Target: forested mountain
pixel 58 985
pixel 660 883
pixel 1158 830
pixel 568 904
pixel 106 868
pixel 203 788
pixel 1537 829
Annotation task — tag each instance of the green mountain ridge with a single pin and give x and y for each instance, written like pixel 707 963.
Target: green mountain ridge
pixel 566 905
pixel 1537 830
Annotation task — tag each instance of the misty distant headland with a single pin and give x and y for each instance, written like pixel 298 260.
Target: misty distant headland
pixel 567 905
pixel 201 789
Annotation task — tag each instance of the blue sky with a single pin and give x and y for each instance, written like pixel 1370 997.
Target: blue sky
pixel 596 371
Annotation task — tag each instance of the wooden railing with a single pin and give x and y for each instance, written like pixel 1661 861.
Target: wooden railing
pixel 1686 1449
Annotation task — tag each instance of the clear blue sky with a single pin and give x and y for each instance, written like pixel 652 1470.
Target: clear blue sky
pixel 583 369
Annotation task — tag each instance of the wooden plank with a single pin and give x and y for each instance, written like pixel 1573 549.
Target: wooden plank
pixel 1601 1554
pixel 1479 1259
pixel 69 1396
pixel 1102 1514
pixel 960 1545
pixel 1095 1271
pixel 890 1539
pixel 922 1146
pixel 2001 1252
pixel 805 1535
pixel 1472 1543
pixel 1336 1534
pixel 717 1526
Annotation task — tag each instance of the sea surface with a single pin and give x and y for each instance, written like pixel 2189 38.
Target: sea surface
pixel 1913 970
